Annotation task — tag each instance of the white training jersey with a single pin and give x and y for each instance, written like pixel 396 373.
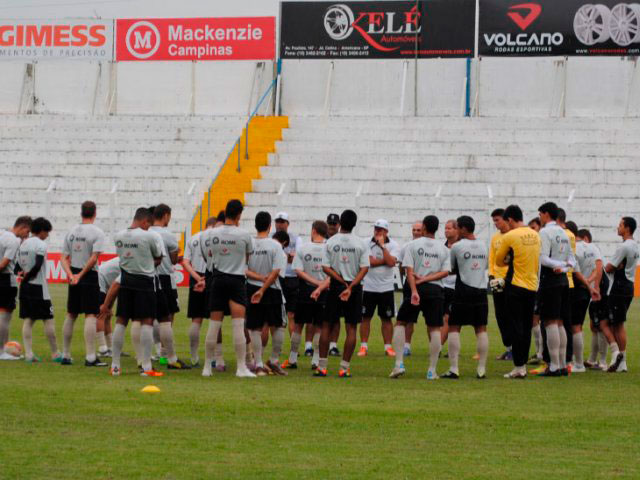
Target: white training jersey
pixel 469 258
pixel 137 249
pixel 170 246
pixel 426 256
pixel 346 254
pixel 226 248
pixel 380 278
pixel 266 257
pixel 627 255
pixel 295 242
pixel 9 246
pixel 108 272
pixel 450 280
pixel 29 250
pixel 555 245
pixel 309 260
pixel 193 253
pixel 587 254
pixel 81 242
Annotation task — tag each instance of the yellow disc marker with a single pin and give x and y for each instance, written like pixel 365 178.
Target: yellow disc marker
pixel 150 389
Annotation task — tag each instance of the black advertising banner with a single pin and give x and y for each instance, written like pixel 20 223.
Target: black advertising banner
pixel 387 29
pixel 559 27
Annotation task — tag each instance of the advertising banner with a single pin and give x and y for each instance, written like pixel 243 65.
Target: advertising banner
pixel 386 29
pixel 246 38
pixel 68 39
pixel 550 27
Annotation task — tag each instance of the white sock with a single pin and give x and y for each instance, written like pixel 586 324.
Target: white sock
pixel 307 345
pixel 316 349
pixel 333 345
pixel 537 338
pixel 27 338
pixel 345 365
pixel 256 345
pixel 210 343
pixel 578 349
pixel 156 338
pixel 397 341
pixel 276 344
pixel 218 354
pixel 108 337
pixel 50 333
pixel 239 342
pixel 5 320
pixel 387 346
pixel 90 323
pixel 323 363
pixel 593 354
pixel 146 346
pixel 365 345
pixel 136 328
pixel 118 343
pixel 435 345
pixel 482 347
pixel 67 335
pixel 614 351
pixel 166 338
pixel 407 345
pixel 295 345
pixel 102 342
pixel 553 342
pixel 603 346
pixel 454 351
pixel 563 346
pixel 194 341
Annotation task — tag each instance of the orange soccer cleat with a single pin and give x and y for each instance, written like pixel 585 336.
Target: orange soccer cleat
pixel 390 352
pixel 152 373
pixel 363 352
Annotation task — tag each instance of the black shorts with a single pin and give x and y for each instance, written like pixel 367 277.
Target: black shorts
pixel 225 288
pixel 197 304
pixel 267 312
pixel 351 310
pixel 431 306
pixel 33 305
pixel 384 302
pixel 137 297
pixel 618 307
pixel 84 297
pixel 599 311
pixel 8 298
pixel 580 300
pixel 554 303
pixel 472 311
pixel 290 286
pixel 308 311
pixel 162 306
pixel 101 298
pixel 170 293
pixel 448 300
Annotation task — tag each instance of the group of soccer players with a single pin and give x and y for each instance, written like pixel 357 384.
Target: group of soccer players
pixel 544 278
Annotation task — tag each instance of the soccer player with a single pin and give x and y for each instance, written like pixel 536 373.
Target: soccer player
pixel 227 249
pixel 590 267
pixel 264 268
pixel 333 222
pixel 571 275
pixel 556 259
pixel 496 282
pixel 427 262
pixel 345 260
pixel 35 301
pixel 449 282
pixel 308 265
pixel 622 267
pixel 290 283
pixel 81 248
pixel 536 331
pixel 469 261
pixel 519 250
pixel 108 274
pixel 139 251
pixel 196 266
pixel 378 287
pixel 416 232
pixel 9 246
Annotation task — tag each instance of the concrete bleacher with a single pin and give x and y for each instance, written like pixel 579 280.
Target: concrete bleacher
pixel 51 163
pixel 404 168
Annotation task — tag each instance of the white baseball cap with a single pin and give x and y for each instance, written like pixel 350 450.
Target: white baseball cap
pixel 282 216
pixel 382 223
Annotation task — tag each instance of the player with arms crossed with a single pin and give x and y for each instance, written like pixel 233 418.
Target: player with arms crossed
pixel 496 282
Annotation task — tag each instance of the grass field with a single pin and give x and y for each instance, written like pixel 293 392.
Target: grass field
pixel 79 423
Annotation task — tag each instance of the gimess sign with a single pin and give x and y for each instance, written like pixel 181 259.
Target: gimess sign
pixel 56 274
pixel 68 39
pixel 245 38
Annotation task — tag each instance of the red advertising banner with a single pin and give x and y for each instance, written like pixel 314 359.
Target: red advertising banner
pixel 56 274
pixel 242 38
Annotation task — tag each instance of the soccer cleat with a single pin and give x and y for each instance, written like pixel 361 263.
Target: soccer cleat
pixel 261 372
pixel 96 363
pixel 613 367
pixel 66 361
pixel 178 365
pixel 34 359
pixel 320 372
pixel 8 356
pixel 566 371
pixel 515 375
pixel 155 358
pixel 407 351
pixel 432 375
pixel 114 372
pixel 481 377
pixel 334 352
pixel 151 373
pixel 245 373
pixel 550 373
pixel 206 372
pixel 541 369
pixel 163 361
pixel 475 357
pixel 106 353
pixel 314 366
pixel 397 372
pixel 195 363
pixel 363 352
pixel 291 366
pixel 578 369
pixel 623 367
pixel 451 375
pixel 505 356
pixel 344 373
pixel 275 368
pixel 222 368
pixel 534 360
pixel 390 352
pixel 57 358
pixel 308 352
pixel 591 365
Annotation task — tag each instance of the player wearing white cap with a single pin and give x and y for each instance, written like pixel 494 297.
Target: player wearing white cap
pixel 378 288
pixel 81 248
pixel 9 246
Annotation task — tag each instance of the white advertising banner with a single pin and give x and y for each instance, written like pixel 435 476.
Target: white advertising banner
pixel 68 39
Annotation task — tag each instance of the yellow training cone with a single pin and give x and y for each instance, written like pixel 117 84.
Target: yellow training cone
pixel 150 389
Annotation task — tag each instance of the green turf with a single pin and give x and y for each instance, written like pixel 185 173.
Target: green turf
pixel 78 423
